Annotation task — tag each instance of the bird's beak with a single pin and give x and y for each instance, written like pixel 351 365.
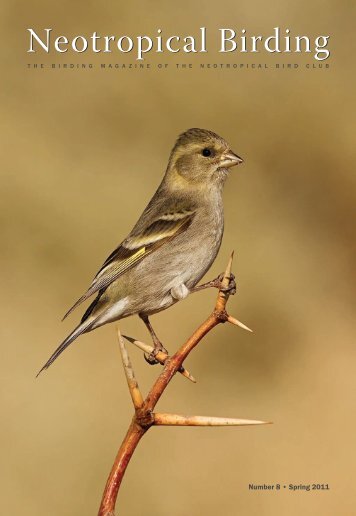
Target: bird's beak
pixel 230 159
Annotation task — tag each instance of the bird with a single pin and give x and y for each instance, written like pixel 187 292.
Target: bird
pixel 172 245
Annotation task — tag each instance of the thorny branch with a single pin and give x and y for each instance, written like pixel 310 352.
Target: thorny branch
pixel 144 417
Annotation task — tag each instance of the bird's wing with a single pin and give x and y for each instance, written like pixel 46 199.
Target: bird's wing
pixel 136 247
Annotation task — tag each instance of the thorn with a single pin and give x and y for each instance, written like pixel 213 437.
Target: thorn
pixel 187 374
pixel 135 392
pixel 227 272
pixel 236 322
pixel 178 420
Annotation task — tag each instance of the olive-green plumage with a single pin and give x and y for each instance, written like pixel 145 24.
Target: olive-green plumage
pixel 172 245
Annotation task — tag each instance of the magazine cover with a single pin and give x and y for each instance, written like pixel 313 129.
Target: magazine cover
pixel 177 186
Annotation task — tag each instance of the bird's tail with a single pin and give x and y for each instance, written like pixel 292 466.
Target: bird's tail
pixel 81 328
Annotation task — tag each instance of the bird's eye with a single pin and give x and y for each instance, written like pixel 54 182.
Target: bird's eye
pixel 206 152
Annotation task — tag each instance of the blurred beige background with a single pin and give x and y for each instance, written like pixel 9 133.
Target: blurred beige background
pixel 82 153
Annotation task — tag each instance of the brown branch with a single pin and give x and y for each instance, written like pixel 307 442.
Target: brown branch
pixel 144 417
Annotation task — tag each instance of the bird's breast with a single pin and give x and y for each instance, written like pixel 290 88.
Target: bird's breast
pixel 197 248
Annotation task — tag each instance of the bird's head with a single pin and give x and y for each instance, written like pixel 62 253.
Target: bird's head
pixel 201 157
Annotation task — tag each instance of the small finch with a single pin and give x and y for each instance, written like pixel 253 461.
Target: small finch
pixel 172 245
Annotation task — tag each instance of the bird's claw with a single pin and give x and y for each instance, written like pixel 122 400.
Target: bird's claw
pixel 151 357
pixel 231 288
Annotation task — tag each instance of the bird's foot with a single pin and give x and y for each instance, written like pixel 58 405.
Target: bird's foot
pixel 151 357
pixel 231 288
pixel 218 283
